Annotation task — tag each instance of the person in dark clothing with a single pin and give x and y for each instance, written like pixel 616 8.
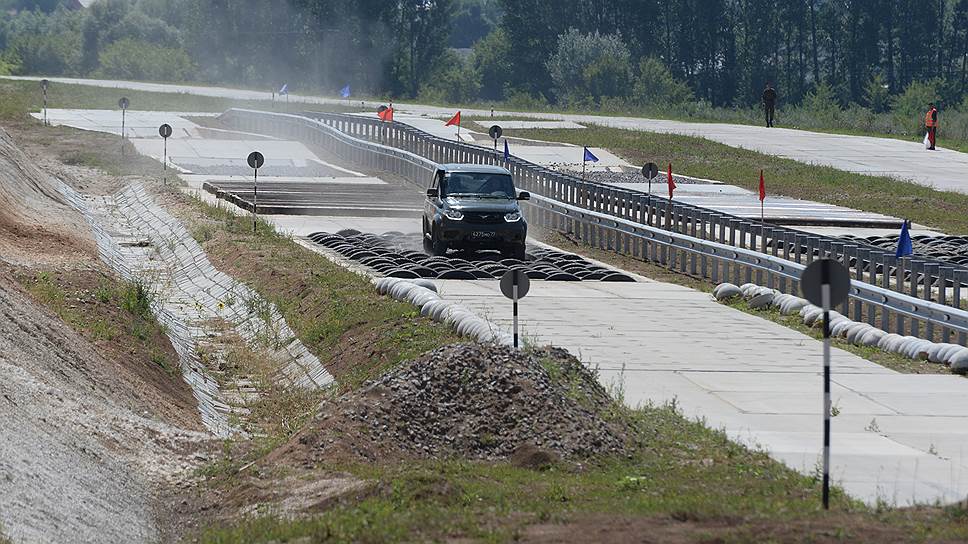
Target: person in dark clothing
pixel 769 103
pixel 931 124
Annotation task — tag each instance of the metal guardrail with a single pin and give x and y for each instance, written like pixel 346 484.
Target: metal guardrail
pixel 694 241
pixel 720 262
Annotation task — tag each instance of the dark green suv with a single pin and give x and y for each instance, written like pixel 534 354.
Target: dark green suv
pixel 472 207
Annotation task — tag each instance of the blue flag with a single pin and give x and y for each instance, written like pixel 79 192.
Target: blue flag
pixel 284 90
pixel 507 152
pixel 345 92
pixel 904 245
pixel 589 156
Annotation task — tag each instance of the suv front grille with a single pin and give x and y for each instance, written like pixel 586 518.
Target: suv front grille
pixel 484 218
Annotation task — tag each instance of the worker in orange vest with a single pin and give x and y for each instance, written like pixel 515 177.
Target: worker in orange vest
pixel 931 124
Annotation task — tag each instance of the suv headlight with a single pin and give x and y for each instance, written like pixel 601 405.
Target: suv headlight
pixel 454 214
pixel 512 217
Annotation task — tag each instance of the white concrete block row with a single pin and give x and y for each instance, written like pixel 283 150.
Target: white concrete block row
pixel 423 294
pixel 129 266
pixel 257 321
pixel 857 333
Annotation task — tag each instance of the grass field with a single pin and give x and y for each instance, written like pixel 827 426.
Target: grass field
pixel 946 211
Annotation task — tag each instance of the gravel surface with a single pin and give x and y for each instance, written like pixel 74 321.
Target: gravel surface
pixel 658 184
pixel 467 400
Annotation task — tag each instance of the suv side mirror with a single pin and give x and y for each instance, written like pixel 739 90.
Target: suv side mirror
pixel 524 195
pixel 433 193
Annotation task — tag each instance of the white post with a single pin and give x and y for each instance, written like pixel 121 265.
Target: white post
pixel 514 292
pixel 825 297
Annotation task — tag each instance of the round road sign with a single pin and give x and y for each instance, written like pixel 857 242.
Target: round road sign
pixel 650 170
pixel 825 271
pixel 164 130
pixel 256 160
pixel 495 132
pixel 44 84
pixel 123 103
pixel 508 280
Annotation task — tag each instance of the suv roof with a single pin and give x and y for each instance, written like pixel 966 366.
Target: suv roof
pixel 480 168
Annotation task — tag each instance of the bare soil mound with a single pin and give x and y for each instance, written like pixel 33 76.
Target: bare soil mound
pixel 33 215
pixel 482 402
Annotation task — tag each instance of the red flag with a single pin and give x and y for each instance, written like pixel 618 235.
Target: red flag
pixel 672 182
pixel 455 120
pixel 386 115
pixel 762 187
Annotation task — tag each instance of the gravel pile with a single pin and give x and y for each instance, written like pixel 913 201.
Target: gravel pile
pixel 635 176
pixel 476 401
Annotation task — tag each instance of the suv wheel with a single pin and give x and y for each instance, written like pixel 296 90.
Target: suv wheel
pixel 427 246
pixel 515 252
pixel 437 246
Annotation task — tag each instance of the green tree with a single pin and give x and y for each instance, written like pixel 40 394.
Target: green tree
pixel 492 58
pixel 590 66
pixel 909 107
pixel 131 59
pixel 453 80
pixel 655 85
pixel 877 96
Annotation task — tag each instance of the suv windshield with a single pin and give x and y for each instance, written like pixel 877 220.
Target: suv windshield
pixel 477 184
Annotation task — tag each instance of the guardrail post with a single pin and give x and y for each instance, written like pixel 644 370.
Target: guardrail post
pixel 766 234
pixel 862 256
pixel 916 267
pixel 960 279
pixel 945 273
pixel 930 272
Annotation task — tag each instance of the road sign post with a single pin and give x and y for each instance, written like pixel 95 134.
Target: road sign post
pixel 650 171
pixel 826 283
pixel 515 285
pixel 44 84
pixel 165 132
pixel 123 104
pixel 255 160
pixel 495 133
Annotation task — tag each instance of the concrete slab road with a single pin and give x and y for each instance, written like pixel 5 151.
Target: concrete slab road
pixel 899 438
pixel 944 169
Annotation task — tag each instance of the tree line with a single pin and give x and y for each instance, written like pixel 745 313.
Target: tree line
pixel 573 52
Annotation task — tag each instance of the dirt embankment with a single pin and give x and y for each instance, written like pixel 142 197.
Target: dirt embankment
pixel 94 431
pixel 36 225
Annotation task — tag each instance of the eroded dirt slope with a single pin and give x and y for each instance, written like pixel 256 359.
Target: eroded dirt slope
pixel 93 436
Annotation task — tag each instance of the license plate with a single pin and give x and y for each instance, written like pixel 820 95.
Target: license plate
pixel 482 234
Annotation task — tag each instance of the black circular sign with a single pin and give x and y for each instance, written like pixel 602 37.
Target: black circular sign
pixel 381 109
pixel 44 84
pixel 123 103
pixel 507 283
pixel 256 160
pixel 495 131
pixel 650 170
pixel 164 130
pixel 825 271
